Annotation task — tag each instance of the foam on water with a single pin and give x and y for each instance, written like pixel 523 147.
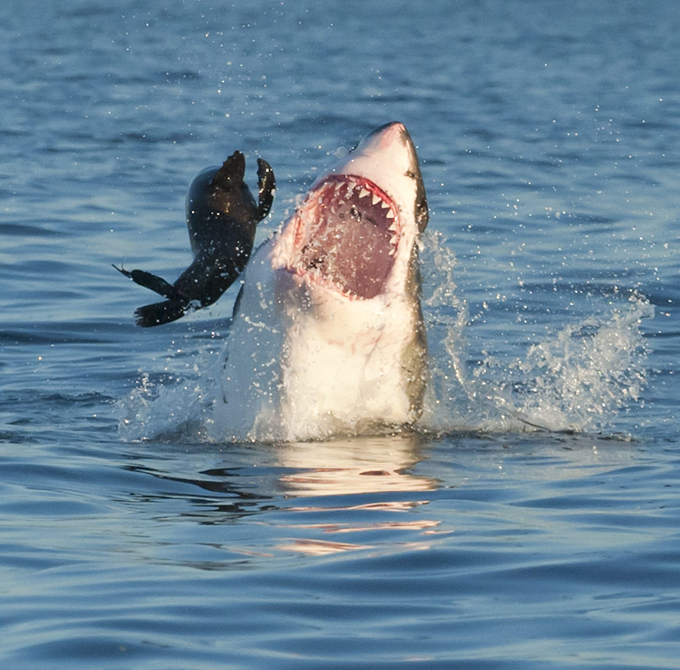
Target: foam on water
pixel 174 404
pixel 577 378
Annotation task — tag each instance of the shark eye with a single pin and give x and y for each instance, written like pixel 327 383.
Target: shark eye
pixel 410 174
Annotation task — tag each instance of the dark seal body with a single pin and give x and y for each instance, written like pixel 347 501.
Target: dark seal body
pixel 222 218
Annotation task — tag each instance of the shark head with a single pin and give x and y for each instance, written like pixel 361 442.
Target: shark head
pixel 355 231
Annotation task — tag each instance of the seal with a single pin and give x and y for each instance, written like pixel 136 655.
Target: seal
pixel 222 218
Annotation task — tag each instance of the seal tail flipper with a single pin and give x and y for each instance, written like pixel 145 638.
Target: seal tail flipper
pixel 267 186
pixel 160 312
pixel 154 282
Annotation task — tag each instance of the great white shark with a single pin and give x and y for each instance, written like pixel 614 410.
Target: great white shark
pixel 328 334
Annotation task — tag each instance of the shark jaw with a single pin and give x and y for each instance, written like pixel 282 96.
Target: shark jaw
pixel 355 231
pixel 329 336
pixel 346 234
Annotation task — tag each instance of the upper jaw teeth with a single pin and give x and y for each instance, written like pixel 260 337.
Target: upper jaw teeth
pixel 363 191
pixel 344 189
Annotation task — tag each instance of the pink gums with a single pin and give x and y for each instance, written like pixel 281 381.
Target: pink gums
pixel 346 237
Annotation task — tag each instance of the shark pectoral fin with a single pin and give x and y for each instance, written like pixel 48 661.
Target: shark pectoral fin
pixel 153 282
pixel 160 312
pixel 267 186
pixel 237 302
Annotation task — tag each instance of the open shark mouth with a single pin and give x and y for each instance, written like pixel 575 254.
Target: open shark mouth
pixel 346 236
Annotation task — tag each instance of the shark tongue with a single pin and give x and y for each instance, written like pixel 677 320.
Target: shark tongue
pixel 350 236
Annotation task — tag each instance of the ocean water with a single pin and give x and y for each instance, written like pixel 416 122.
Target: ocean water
pixel 530 521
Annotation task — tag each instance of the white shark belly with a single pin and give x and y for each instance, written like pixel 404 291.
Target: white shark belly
pixel 344 371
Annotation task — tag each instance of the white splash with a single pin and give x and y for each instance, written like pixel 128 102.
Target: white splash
pixel 175 403
pixel 577 378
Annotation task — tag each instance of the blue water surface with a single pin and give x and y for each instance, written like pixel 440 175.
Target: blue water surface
pixel 530 521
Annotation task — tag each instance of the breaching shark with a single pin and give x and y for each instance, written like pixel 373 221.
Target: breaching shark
pixel 328 334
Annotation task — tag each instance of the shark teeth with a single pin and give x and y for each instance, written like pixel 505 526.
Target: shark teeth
pixel 376 198
pixel 351 186
pixel 344 190
pixel 338 221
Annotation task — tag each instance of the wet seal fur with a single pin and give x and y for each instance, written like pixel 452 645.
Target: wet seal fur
pixel 222 218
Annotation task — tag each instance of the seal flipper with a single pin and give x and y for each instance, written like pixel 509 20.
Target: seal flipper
pixel 153 282
pixel 160 312
pixel 267 186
